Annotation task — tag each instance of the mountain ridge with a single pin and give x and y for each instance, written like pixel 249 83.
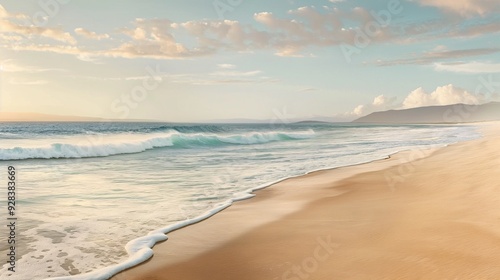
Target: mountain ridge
pixel 456 113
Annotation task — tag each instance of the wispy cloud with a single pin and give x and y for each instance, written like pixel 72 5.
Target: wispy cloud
pixel 466 8
pixel 12 24
pixel 226 66
pixel 286 35
pixel 435 56
pixel 10 65
pixel 157 38
pixel 308 89
pixel 211 78
pixel 90 34
pixel 236 73
pixel 27 82
pixel 468 67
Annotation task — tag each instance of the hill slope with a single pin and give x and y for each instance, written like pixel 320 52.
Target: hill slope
pixel 459 113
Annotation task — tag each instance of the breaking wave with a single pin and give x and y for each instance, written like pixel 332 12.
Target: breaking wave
pixel 102 146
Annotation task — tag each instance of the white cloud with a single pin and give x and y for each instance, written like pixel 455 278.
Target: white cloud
pixel 9 65
pixel 154 38
pixel 63 49
pixel 5 14
pixel 10 38
pixel 464 7
pixel 27 82
pixel 445 95
pixel 226 66
pixel 469 67
pixel 236 73
pixel 90 34
pixel 213 78
pixel 289 35
pixel 440 53
pixel 380 103
pixel 309 89
pixel 88 58
pixel 13 28
pixel 286 36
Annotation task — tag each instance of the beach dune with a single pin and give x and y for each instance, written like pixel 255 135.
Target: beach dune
pixel 418 215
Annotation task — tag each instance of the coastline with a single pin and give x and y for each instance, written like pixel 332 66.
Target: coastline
pixel 352 146
pixel 186 232
pixel 272 205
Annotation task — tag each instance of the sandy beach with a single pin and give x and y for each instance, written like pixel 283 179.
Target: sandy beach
pixel 419 215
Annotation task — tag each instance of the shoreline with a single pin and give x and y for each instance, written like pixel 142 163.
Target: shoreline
pixel 141 250
pixel 142 245
pixel 303 159
pixel 194 242
pixel 392 160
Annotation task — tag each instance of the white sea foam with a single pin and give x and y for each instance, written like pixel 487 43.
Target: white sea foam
pixel 140 249
pixel 102 146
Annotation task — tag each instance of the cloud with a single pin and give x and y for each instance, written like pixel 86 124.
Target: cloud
pixel 10 66
pixel 466 8
pixel 308 89
pixel 286 35
pixel 29 31
pixel 380 103
pixel 469 67
pixel 236 73
pixel 474 30
pixel 213 78
pixel 90 34
pixel 86 57
pixel 309 26
pixel 154 38
pixel 5 14
pixel 62 49
pixel 226 66
pixel 445 27
pixel 444 95
pixel 9 24
pixel 27 82
pixel 437 55
pixel 11 38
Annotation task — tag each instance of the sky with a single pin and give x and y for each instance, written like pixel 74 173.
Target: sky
pixel 204 60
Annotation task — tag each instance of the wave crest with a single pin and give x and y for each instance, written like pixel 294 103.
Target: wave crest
pixel 88 147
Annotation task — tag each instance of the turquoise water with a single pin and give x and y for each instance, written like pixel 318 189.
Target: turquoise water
pixel 86 189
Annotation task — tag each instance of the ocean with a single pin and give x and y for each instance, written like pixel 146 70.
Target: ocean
pixel 91 198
